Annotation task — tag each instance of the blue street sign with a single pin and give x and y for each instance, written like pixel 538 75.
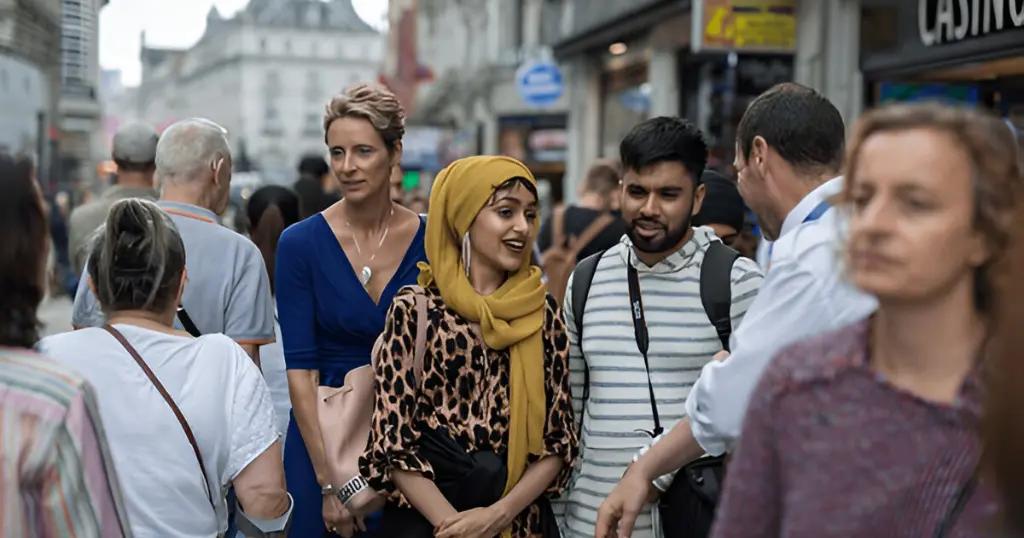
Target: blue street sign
pixel 539 83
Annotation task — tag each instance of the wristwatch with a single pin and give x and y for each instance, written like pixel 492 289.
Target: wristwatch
pixel 329 489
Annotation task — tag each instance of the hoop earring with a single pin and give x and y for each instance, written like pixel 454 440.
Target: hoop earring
pixel 467 252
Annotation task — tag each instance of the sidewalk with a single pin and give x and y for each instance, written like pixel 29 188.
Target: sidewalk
pixel 55 313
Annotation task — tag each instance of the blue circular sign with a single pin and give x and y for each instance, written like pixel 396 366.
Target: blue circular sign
pixel 540 83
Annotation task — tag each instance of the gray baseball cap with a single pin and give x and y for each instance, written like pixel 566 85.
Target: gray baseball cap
pixel 135 143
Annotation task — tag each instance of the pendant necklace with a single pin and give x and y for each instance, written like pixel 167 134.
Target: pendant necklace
pixel 366 273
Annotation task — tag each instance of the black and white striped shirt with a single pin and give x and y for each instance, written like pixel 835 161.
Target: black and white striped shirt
pixel 682 340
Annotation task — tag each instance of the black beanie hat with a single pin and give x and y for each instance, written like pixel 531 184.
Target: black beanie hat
pixel 722 202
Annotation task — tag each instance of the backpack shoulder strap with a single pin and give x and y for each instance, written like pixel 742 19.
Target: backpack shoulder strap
pixel 716 287
pixel 582 277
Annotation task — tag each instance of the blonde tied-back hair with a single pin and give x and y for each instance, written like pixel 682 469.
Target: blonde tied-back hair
pixel 374 104
pixel 996 170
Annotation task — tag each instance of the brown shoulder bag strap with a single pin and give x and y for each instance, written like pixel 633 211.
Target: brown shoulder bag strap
pixel 590 232
pixel 558 227
pixel 170 402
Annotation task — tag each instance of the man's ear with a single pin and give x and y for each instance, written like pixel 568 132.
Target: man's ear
pixel 698 199
pixel 759 155
pixel 216 165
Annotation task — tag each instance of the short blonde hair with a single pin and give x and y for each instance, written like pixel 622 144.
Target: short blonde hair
pixel 995 160
pixel 372 103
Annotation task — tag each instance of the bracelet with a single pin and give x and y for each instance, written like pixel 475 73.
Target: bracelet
pixel 351 488
pixel 329 489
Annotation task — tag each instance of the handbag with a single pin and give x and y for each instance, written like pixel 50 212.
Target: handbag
pixel 691 499
pixel 170 403
pixel 344 414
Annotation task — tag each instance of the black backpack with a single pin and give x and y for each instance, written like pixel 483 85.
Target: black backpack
pixel 688 507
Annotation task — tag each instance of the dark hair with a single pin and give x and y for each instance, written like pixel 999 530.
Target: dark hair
pixel 271 210
pixel 511 184
pixel 23 248
pixel 602 177
pixel 799 123
pixel 665 139
pixel 313 165
pixel 137 258
pixel 722 202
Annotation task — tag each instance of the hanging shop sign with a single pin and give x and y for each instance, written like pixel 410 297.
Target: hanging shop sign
pixel 744 25
pixel 950 21
pixel 540 83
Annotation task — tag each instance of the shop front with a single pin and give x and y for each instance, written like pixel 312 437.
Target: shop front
pixel 702 60
pixel 965 51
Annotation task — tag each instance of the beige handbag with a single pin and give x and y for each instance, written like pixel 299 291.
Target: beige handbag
pixel 344 415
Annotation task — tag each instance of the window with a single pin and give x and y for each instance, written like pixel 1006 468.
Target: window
pixel 287 46
pixel 3 79
pixel 263 44
pixel 312 126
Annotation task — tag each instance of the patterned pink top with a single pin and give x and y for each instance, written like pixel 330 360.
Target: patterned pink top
pixel 55 470
pixel 830 449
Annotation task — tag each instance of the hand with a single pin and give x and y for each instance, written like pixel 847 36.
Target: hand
pixel 721 355
pixel 338 519
pixel 475 523
pixel 618 512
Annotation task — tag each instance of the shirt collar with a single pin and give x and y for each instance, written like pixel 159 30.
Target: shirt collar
pixel 122 191
pixel 188 210
pixel 821 193
pixel 673 262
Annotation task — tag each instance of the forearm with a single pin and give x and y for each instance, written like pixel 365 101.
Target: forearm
pixel 675 450
pixel 535 480
pixel 253 350
pixel 302 388
pixel 423 495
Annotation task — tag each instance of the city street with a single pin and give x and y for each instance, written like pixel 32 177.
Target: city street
pixel 55 313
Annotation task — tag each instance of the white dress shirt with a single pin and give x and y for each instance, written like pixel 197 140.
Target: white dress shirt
pixel 805 293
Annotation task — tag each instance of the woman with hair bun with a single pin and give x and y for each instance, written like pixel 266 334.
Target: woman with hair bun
pixel 336 274
pixel 186 417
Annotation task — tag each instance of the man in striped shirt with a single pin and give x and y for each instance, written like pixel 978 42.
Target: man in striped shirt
pixel 663 160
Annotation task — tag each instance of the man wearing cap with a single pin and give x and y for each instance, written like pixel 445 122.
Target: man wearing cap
pixel 134 152
pixel 723 209
pixel 228 290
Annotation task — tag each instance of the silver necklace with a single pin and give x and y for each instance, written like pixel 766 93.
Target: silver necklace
pixel 365 274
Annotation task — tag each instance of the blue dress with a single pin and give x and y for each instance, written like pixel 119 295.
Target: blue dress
pixel 328 323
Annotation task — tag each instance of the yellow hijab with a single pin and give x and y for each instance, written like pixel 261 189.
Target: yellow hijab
pixel 513 316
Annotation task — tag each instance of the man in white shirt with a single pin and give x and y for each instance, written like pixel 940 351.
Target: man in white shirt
pixel 788 156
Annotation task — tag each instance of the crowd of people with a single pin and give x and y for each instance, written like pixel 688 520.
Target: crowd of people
pixel 634 366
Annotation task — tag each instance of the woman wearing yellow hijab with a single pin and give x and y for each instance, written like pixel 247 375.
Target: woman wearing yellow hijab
pixel 470 447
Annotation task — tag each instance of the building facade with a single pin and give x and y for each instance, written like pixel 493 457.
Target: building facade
pixel 702 60
pixel 29 79
pixel 79 106
pixel 265 75
pixel 455 66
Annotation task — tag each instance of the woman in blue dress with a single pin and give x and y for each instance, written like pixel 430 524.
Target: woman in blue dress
pixel 337 272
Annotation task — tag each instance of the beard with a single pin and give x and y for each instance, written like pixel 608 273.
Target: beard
pixel 670 238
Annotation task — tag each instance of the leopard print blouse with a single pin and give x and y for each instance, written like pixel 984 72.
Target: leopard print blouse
pixel 465 389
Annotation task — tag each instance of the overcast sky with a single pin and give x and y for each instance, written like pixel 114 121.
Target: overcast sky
pixel 175 24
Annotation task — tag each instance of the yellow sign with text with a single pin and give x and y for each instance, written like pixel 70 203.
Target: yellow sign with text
pixel 747 25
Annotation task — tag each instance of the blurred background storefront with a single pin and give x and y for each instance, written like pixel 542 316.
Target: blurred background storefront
pixel 960 51
pixel 703 60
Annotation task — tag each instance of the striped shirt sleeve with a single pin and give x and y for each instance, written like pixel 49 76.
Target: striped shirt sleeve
pixel 746 280
pixel 79 493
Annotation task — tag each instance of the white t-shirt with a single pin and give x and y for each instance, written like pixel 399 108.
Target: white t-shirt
pixel 219 391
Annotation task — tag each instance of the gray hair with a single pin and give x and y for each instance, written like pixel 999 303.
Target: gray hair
pixel 188 147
